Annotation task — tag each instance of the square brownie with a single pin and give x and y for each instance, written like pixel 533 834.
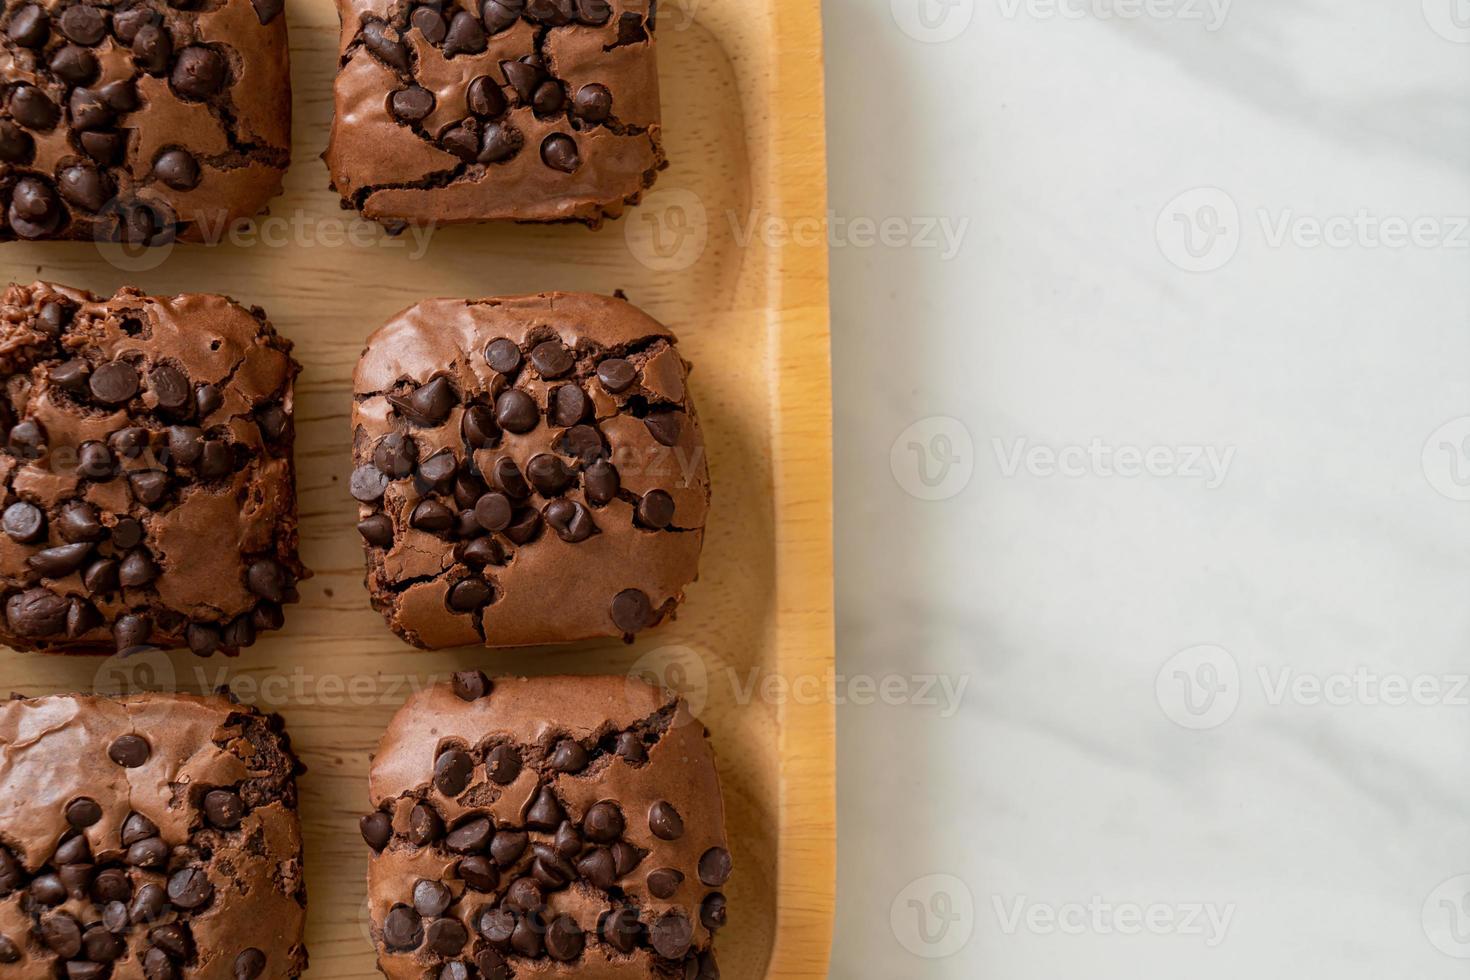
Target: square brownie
pixel 556 826
pixel 450 111
pixel 143 121
pixel 146 471
pixel 153 836
pixel 528 470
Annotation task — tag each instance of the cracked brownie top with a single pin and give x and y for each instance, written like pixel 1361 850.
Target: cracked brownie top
pixel 556 826
pixel 154 836
pixel 529 470
pixel 471 110
pixel 141 121
pixel 146 472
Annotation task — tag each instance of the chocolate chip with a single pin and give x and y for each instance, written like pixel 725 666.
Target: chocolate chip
pixel 33 109
pixel 250 964
pixel 712 913
pixel 497 15
pixel 507 847
pixel 126 533
pixel 569 406
pixel 655 509
pixel 630 749
pixel 190 889
pixel 581 442
pixel 198 73
pixel 428 404
pixel 203 638
pixel 268 579
pixel 27 439
pixel 593 102
pixel 462 141
pixel 185 444
pixel 129 751
pixel 431 516
pixel 99 946
pixel 672 935
pixel 150 487
pixel 81 618
pixel 83 24
pixel 412 104
pixel 549 99
pixel 559 152
pixel 631 611
pixel 224 809
pixel 600 482
pixel 271 419
pixel 552 359
pixel 129 442
pixel 437 473
pixel 127 23
pixel 493 511
pixel 515 411
pixel 429 23
pixel 136 828
pixel 121 94
pixel 29 26
pixel 61 560
pixel 425 826
pixel 524 895
pixel 114 382
pixel 61 934
pixel 503 763
pixel 503 355
pixel 466 35
pixel 508 479
pixel 83 812
pixel 377 530
pixel 621 930
pixel 471 685
pixel 499 142
pixel 268 10
pixel 617 374
pixel 178 169
pixel 665 426
pixel 174 939
pixel 497 926
pixel 215 461
pixel 569 757
pixel 570 520
pixel 137 569
pixel 454 970
pixel 377 830
pixel 524 526
pixel 479 428
pixel 469 595
pixel 603 823
pixel 47 891
pixel 9 952
pixel 546 811
pixel 73 849
pixel 564 939
pixel 556 13
pixel 478 874
pixel 24 522
pixel 452 771
pixel 16 145
pixel 95 462
pixel 664 882
pixel 431 898
pixel 89 110
pixel 149 853
pixel 131 630
pixel 598 867
pixel 383 42
pixel 368 483
pixel 524 77
pixel 35 211
pixel 153 48
pixel 73 65
pixel 548 474
pixel 665 821
pixel 403 929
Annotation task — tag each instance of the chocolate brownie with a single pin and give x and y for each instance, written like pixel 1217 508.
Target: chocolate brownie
pixel 474 110
pixel 146 467
pixel 528 470
pixel 153 836
pixel 141 121
pixel 557 826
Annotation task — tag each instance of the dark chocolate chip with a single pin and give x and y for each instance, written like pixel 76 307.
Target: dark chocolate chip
pixel 137 569
pixel 524 527
pixel 621 930
pixel 503 355
pixel 446 937
pixel 598 867
pixel 603 823
pixel 425 826
pixel 499 142
pixel 208 398
pixel 656 509
pixel 137 828
pixel 85 187
pixel 631 611
pixel 114 382
pixel 35 211
pixel 712 913
pixel 203 638
pixel 83 812
pixel 515 411
pixel 83 24
pixel 61 560
pixel 582 442
pixel 384 42
pixel 559 152
pixel 508 846
pixel 665 426
pixel 190 889
pixel 16 145
pixel 462 141
pixel 571 521
pixel 149 487
pixel 131 630
pixel 555 13
pixel 466 35
pixel 224 808
pixel 672 935
pixel 32 108
pixel 174 939
pixel 437 473
pixel 129 751
pixel 552 359
pixel 508 479
pixel 503 763
pixel 546 811
pixel 496 925
pixel 178 169
pixel 431 516
pixel 81 618
pixel 564 939
pixel 129 442
pixel 549 99
pixel 431 898
pixel 121 94
pixel 127 23
pixel 27 439
pixel 216 460
pixel 126 533
pixel 664 882
pixel 497 15
pixel 198 73
pixel 479 427
pixel 71 376
pixel 452 771
pixel 272 419
pixel 665 821
pixel 484 98
pixel 600 482
pixel 61 934
pixel 185 444
pixel 524 895
pixel 29 26
pixel 377 830
pixel 153 48
pixel 471 685
pixel 428 404
pixel 268 579
pixel 715 867
pixel 524 77
pixel 478 874
pixel 631 749
pixel 251 963
pixel 569 405
pixel 593 102
pixel 548 474
pixel 403 929
pixel 73 65
pixel 617 374
pixel 377 530
pixel 268 10
pixel 412 104
pixel 569 757
pixel 469 595
pixel 430 24
pixel 95 462
pixel 24 522
pixel 368 483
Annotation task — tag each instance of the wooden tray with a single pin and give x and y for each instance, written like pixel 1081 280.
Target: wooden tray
pixel 743 117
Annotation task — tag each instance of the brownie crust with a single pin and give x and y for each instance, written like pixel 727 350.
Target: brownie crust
pixel 150 836
pixel 146 122
pixel 147 472
pixel 528 469
pixel 525 110
pixel 555 826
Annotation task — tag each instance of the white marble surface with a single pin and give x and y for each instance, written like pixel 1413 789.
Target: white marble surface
pixel 1322 544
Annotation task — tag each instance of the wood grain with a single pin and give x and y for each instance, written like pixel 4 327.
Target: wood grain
pixel 706 254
